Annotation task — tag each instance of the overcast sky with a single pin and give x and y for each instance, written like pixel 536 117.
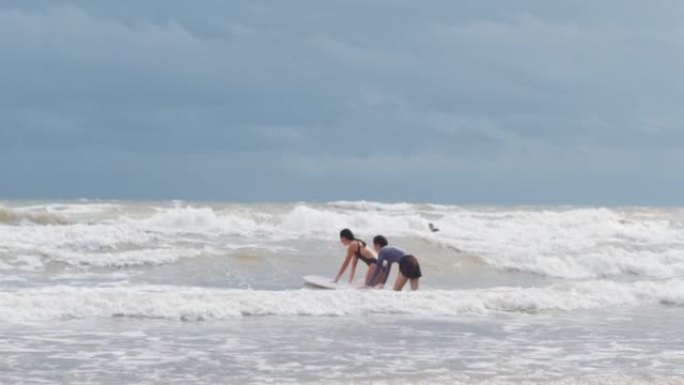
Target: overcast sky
pixel 501 102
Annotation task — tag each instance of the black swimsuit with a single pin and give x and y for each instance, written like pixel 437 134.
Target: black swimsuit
pixel 368 261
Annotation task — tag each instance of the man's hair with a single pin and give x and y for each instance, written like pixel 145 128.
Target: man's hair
pixel 380 241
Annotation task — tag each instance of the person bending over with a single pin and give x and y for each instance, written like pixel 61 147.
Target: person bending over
pixel 409 268
pixel 356 249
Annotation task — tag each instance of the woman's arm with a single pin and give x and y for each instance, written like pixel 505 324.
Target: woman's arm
pixel 348 258
pixel 353 270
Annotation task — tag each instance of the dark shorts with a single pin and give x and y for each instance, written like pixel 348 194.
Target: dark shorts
pixel 409 267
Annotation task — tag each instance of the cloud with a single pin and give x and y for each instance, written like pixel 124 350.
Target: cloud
pixel 472 93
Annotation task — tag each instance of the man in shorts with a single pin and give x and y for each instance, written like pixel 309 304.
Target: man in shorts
pixel 409 269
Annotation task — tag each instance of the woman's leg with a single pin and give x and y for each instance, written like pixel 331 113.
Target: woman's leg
pixel 370 272
pixel 400 282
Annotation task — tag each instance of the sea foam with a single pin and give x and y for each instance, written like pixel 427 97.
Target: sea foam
pixel 194 303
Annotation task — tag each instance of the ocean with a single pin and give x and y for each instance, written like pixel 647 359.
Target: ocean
pixel 109 292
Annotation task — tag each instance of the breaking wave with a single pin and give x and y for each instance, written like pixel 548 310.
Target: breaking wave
pixel 193 303
pixel 15 217
pixel 566 242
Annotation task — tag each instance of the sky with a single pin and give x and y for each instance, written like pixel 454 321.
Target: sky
pixel 481 102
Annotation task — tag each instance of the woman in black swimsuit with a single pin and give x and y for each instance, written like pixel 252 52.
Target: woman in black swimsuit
pixel 356 249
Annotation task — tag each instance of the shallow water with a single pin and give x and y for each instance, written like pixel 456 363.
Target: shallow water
pixel 184 293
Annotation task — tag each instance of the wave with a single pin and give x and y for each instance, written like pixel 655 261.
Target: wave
pixel 194 303
pixel 15 217
pixel 372 206
pixel 571 243
pixel 131 258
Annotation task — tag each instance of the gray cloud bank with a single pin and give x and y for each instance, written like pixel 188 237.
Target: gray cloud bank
pixel 495 102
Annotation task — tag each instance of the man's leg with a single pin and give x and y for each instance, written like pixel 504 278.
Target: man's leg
pixel 400 282
pixel 414 284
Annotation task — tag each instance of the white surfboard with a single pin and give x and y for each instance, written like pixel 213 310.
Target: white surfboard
pixel 326 283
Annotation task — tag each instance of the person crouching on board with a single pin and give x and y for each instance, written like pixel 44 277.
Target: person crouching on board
pixel 356 249
pixel 409 268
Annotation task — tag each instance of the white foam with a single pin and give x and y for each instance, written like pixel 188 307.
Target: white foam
pixel 372 206
pixel 192 303
pixel 185 218
pixel 598 379
pixel 190 219
pixel 560 242
pixel 573 243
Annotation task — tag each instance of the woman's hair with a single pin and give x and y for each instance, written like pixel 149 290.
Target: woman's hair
pixel 347 234
pixel 380 241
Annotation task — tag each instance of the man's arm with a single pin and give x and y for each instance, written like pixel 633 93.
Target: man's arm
pixel 378 268
pixel 387 272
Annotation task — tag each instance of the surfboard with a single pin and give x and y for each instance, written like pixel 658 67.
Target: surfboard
pixel 326 283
